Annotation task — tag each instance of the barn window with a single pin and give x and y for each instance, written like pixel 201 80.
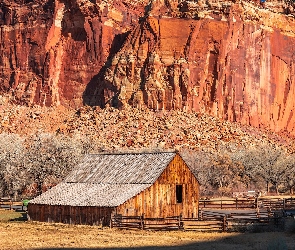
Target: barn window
pixel 179 193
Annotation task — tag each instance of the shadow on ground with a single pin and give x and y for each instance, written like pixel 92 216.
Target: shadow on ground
pixel 255 241
pixel 23 217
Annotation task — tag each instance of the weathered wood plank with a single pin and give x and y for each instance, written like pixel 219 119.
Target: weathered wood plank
pixel 160 199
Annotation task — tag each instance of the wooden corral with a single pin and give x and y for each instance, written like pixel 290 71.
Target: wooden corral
pixel 207 221
pixel 242 203
pixel 151 184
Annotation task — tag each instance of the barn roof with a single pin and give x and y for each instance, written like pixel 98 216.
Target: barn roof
pixel 107 180
pixel 89 194
pixel 121 168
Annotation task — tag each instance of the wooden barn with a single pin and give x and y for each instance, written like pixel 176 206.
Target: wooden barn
pixel 130 184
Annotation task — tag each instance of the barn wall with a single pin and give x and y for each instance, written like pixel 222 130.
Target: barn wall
pixel 70 215
pixel 160 199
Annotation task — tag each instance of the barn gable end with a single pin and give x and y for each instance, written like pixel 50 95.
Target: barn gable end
pixel 160 199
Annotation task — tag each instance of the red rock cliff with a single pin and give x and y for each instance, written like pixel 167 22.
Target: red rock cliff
pixel 237 64
pixel 234 61
pixel 50 50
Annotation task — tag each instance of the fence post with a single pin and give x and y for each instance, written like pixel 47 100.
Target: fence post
pixel 224 223
pixel 284 203
pixel 179 222
pixel 142 222
pixel 111 221
pixel 102 222
pixel 236 202
pixel 221 203
pixel 269 213
pixel 257 203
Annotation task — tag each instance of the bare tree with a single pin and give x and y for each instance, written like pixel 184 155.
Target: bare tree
pixel 288 176
pixel 215 172
pixel 226 174
pixel 262 163
pixel 41 159
pixel 12 168
pixel 51 157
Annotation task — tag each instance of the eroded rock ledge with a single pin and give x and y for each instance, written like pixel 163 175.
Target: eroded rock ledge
pixel 231 59
pixel 236 64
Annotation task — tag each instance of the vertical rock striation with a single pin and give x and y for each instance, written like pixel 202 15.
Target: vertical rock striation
pixel 230 59
pixel 236 64
pixel 51 50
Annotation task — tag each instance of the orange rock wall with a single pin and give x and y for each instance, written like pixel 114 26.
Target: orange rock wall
pixel 236 70
pixel 237 65
pixel 51 50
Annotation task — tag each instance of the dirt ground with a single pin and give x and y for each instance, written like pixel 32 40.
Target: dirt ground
pixel 31 235
pixel 17 233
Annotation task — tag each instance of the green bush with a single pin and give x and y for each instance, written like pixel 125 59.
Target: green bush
pixel 26 202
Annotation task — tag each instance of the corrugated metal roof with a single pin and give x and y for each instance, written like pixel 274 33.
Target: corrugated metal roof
pixel 87 194
pixel 121 168
pixel 107 180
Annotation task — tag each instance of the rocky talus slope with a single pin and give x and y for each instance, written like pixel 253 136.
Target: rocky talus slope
pixel 135 129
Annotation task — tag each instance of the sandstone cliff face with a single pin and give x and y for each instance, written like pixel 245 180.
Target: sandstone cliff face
pixel 231 60
pixel 237 64
pixel 50 50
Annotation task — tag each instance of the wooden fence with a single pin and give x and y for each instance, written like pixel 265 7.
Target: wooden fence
pixel 7 202
pixel 141 222
pixel 11 204
pixel 249 203
pixel 207 221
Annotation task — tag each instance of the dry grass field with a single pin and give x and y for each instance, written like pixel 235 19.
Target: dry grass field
pixel 17 234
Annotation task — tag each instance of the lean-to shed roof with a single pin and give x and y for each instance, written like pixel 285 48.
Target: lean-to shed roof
pixel 88 194
pixel 107 180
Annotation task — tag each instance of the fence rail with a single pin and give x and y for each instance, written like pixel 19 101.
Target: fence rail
pixel 140 222
pixel 248 203
pixel 10 204
pixel 261 211
pixel 207 221
pixel 6 202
